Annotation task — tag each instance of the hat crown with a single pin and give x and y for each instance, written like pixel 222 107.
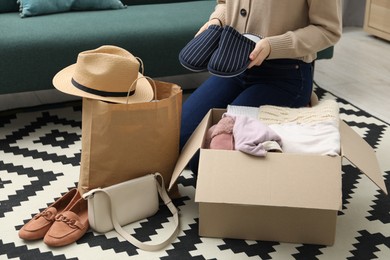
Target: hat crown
pixel 107 68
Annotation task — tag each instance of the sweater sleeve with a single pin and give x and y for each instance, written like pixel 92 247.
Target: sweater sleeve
pixel 219 12
pixel 323 31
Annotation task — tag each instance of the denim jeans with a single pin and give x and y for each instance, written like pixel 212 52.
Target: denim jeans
pixel 281 82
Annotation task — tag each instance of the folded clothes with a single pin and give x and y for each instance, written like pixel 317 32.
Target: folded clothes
pixel 321 138
pixel 312 130
pixel 252 112
pixel 324 111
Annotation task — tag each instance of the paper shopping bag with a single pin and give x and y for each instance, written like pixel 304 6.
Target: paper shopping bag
pixel 125 141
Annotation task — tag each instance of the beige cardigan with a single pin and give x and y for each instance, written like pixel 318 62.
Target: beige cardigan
pixel 295 29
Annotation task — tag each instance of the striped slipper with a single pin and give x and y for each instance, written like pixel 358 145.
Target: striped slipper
pixel 196 54
pixel 232 56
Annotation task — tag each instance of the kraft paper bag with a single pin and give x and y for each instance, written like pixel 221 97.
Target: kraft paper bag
pixel 125 141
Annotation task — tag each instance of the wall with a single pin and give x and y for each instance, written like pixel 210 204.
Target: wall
pixel 353 13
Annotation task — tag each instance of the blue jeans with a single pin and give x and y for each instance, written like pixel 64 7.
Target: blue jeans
pixel 282 82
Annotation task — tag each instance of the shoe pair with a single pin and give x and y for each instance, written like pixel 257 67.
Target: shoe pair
pixel 222 51
pixel 62 223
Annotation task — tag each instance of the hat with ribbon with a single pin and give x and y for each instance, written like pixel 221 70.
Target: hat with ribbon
pixel 108 73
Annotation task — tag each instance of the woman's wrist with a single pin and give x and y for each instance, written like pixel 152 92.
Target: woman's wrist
pixel 213 20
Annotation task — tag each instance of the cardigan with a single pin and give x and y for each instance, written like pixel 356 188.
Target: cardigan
pixel 295 29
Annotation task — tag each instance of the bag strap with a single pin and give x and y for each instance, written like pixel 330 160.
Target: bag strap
pixel 141 64
pixel 167 201
pixel 153 84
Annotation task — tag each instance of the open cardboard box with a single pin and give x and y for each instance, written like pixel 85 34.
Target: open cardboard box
pixel 281 197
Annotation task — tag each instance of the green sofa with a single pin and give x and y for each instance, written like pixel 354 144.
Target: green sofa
pixel 34 49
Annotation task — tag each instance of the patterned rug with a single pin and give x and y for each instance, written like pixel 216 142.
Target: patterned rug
pixel 39 161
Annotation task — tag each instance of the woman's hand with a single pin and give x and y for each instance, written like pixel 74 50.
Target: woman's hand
pixel 259 53
pixel 207 24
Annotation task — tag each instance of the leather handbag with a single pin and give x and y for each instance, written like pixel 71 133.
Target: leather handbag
pixel 127 202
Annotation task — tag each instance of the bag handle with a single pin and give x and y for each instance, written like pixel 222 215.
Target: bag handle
pixel 143 77
pixel 150 80
pixel 141 65
pixel 167 201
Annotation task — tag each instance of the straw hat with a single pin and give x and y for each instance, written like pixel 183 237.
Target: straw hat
pixel 106 73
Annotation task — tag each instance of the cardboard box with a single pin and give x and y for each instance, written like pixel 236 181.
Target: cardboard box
pixel 281 197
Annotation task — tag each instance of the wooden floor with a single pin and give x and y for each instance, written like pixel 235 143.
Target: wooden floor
pixel 359 72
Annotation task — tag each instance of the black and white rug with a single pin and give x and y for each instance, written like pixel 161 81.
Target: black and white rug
pixel 39 161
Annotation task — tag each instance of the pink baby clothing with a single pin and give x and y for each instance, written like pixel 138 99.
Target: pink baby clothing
pixel 221 134
pixel 254 137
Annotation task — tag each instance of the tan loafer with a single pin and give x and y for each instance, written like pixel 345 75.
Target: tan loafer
pixel 37 227
pixel 69 226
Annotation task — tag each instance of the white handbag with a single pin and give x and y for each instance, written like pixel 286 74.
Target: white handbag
pixel 123 203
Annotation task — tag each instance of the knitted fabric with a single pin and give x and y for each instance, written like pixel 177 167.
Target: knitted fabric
pixel 324 111
pixel 220 135
pixel 224 126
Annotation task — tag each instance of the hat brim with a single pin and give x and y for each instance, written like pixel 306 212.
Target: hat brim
pixel 143 93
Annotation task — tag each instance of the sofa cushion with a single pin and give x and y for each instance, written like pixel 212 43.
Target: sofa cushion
pixel 8 6
pixel 40 7
pixel 82 5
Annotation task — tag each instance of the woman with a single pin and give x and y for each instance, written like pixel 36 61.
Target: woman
pixel 280 71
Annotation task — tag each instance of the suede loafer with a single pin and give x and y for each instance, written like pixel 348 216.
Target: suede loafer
pixel 38 226
pixel 196 54
pixel 232 55
pixel 69 226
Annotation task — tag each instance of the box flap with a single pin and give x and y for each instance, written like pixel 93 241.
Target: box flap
pixel 283 180
pixel 191 147
pixel 361 154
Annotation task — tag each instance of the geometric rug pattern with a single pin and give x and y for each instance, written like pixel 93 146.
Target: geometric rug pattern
pixel 39 161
